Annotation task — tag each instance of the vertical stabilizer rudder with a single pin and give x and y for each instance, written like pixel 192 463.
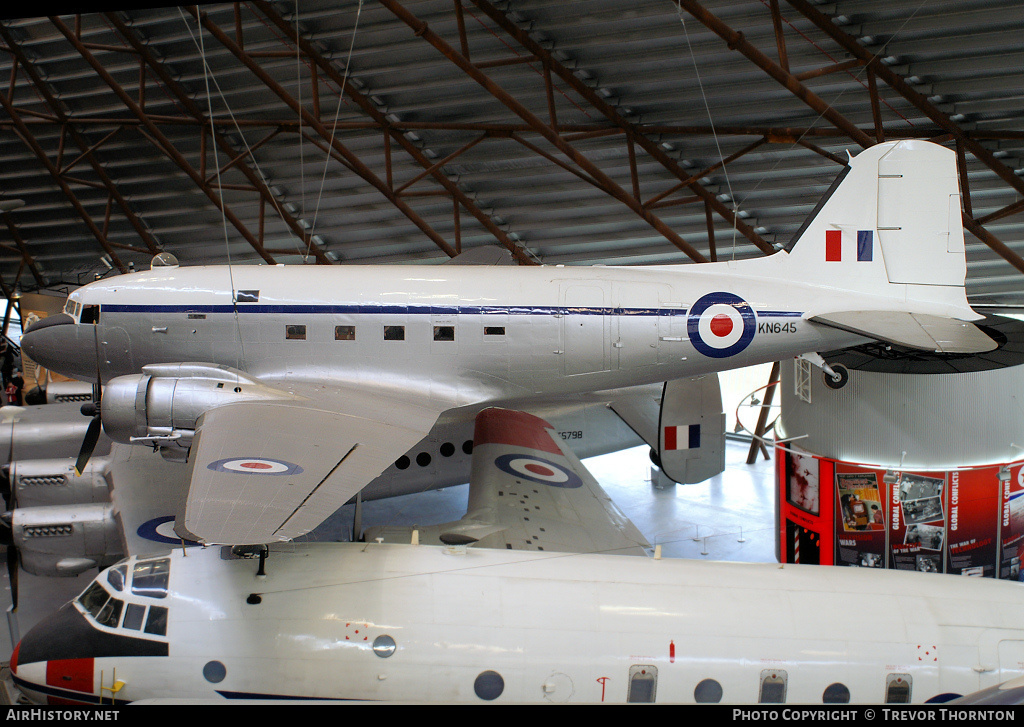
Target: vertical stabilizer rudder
pixel 890 232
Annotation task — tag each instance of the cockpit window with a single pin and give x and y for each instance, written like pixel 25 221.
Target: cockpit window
pixel 157 621
pixel 149 578
pixel 117 576
pixel 93 599
pixel 110 614
pixel 90 314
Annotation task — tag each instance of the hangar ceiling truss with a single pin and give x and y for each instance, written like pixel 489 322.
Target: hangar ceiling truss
pixel 412 130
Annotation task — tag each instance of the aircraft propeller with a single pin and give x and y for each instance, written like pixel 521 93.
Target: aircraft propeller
pixel 92 409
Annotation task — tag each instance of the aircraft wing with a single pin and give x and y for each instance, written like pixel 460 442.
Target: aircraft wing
pixel 262 471
pixel 528 491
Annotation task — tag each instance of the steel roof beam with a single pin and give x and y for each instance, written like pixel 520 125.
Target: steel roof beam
pixel 356 164
pixel 421 30
pixel 160 141
pixel 392 131
pixel 638 133
pixel 82 143
pixel 255 179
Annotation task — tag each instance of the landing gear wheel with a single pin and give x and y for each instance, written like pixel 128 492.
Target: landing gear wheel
pixel 842 376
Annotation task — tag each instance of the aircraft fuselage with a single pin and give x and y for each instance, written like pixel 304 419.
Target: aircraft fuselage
pixel 456 335
pixel 426 624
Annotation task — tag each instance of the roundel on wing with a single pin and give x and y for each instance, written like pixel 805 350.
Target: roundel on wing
pixel 536 469
pixel 721 325
pixel 255 466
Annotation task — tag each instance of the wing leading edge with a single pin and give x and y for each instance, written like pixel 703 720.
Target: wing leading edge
pixel 528 491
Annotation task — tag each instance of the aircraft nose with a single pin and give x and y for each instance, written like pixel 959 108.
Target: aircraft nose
pixel 61 345
pixel 52 663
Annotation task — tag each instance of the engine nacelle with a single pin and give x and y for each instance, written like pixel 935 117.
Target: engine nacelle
pixel 39 482
pixel 65 540
pixel 160 406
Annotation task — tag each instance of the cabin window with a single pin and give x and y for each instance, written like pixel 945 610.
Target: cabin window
pixel 384 646
pixel 149 578
pixel 444 333
pixel 467 446
pixel 488 685
pixel 836 694
pixel 643 683
pixel 394 333
pixel 295 332
pixel 344 333
pixel 133 616
pixel 157 622
pixel 494 330
pixel 90 314
pixel 773 687
pixel 422 459
pixel 897 689
pixel 403 462
pixel 708 691
pixel 447 449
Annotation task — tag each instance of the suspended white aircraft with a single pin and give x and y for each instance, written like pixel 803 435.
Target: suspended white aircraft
pixel 293 387
pixel 535 597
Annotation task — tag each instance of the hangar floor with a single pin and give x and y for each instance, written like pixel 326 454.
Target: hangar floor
pixel 729 517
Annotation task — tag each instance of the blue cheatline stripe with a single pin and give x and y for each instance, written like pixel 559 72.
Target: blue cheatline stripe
pixel 257 695
pixel 307 309
pixel 67 694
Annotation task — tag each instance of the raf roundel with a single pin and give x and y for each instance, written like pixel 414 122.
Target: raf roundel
pixel 721 325
pixel 255 466
pixel 535 469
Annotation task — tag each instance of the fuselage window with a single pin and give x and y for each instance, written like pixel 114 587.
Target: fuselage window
pixel 157 621
pixel 90 314
pixel 394 333
pixel 149 578
pixel 295 333
pixel 494 330
pixel 133 616
pixel 708 691
pixel 897 689
pixel 643 684
pixel 444 333
pixel 836 694
pixel 773 687
pixel 344 333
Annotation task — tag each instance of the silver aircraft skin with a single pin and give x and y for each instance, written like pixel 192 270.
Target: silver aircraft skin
pixel 324 376
pixel 544 592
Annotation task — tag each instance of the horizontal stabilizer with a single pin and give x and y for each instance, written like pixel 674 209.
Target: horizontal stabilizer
pixel 916 330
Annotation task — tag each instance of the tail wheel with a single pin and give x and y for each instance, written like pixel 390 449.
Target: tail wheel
pixel 839 380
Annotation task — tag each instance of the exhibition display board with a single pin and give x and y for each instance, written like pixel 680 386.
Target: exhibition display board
pixel 966 521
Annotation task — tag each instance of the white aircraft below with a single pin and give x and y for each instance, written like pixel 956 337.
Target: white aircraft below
pixel 291 388
pixel 534 598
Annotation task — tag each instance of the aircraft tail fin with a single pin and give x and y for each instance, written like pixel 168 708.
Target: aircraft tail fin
pixel 890 230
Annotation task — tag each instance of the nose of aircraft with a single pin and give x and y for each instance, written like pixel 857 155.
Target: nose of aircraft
pixel 53 663
pixel 60 344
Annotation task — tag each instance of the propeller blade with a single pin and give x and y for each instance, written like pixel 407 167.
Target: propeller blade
pixel 12 574
pixel 5 485
pixel 92 435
